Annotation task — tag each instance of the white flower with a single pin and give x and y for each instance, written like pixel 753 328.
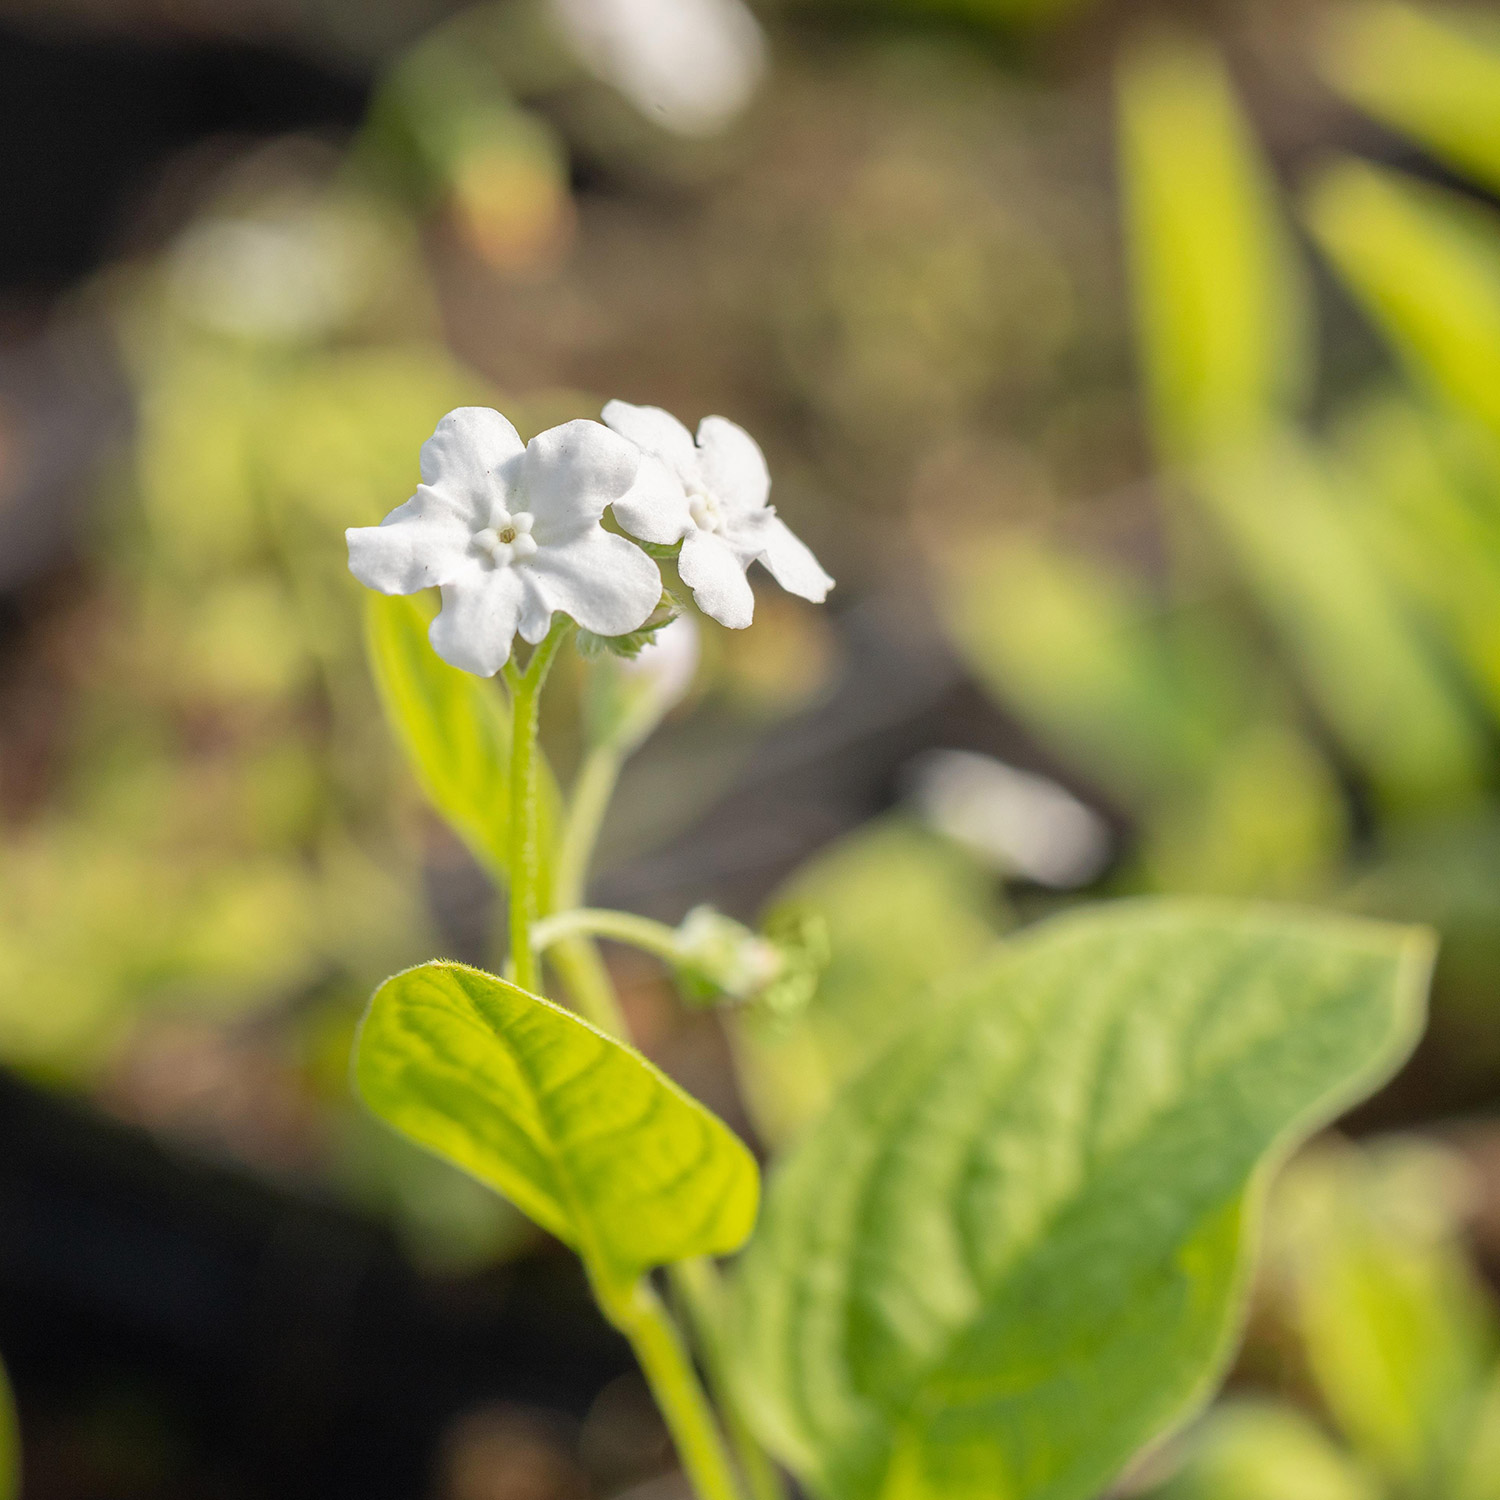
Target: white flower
pixel 712 496
pixel 690 65
pixel 510 532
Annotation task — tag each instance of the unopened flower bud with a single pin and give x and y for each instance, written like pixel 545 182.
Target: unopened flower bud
pixel 721 959
pixel 630 695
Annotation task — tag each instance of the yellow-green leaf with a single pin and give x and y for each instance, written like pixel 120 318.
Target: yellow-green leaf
pixel 1220 303
pixel 453 726
pixel 584 1135
pixel 1430 71
pixel 1259 1450
pixel 1425 265
pixel 1342 622
pixel 1398 1330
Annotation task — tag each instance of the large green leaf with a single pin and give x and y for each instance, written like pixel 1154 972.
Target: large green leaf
pixel 1220 302
pixel 1429 71
pixel 579 1131
pixel 1015 1250
pixel 1425 264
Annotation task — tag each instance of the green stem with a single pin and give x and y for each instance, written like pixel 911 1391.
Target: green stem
pixel 592 789
pixel 699 1292
pixel 622 926
pixel 525 860
pixel 577 961
pixel 640 1316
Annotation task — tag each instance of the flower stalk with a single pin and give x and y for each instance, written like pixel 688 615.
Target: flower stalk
pixel 641 1317
pixel 512 534
pixel 525 863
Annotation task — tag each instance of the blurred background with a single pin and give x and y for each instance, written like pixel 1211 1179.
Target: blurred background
pixel 1134 367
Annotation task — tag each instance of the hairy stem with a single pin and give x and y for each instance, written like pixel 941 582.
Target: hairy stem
pixel 592 789
pixel 525 859
pixel 577 959
pixel 699 1293
pixel 622 926
pixel 640 1316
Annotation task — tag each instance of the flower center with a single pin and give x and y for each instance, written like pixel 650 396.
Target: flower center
pixel 706 514
pixel 507 539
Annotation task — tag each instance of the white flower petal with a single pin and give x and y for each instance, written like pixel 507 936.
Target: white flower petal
pixel 657 432
pixel 536 607
pixel 734 468
pixel 477 623
pixel 709 567
pixel 418 545
pixel 470 457
pixel 792 564
pixel 603 581
pixel 571 473
pixel 655 508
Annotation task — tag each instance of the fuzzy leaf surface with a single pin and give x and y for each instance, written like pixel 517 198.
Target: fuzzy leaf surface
pixel 580 1132
pixel 1015 1250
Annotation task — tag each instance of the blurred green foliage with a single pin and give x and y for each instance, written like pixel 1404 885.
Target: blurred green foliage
pixel 1385 1314
pixel 1286 680
pixel 1431 71
pixel 903 909
pixel 1295 690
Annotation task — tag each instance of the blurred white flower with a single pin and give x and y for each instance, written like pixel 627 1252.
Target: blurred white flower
pixel 1020 823
pixel 690 65
pixel 510 532
pixel 712 497
pixel 667 663
pixel 631 695
pixel 289 270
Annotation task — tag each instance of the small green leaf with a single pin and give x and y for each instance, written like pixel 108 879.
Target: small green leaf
pixel 1141 699
pixel 583 1134
pixel 455 730
pixel 453 726
pixel 1428 485
pixel 1015 1250
pixel 10 1443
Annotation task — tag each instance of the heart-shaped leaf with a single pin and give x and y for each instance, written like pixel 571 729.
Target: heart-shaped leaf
pixel 580 1132
pixel 1015 1250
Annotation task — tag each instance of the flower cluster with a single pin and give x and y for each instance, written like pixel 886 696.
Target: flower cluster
pixel 512 532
